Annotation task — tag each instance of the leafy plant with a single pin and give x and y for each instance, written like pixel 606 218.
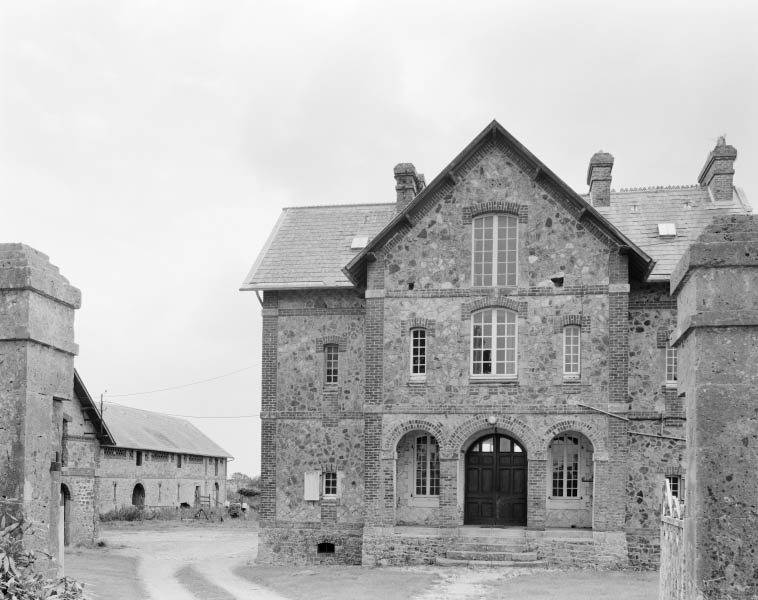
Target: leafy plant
pixel 18 578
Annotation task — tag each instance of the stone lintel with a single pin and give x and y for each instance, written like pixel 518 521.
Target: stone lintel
pixel 618 288
pixel 22 334
pixel 732 318
pixel 270 312
pixel 374 294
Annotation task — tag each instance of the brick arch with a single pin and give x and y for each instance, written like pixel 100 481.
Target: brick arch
pixel 393 437
pixel 505 424
pixel 488 302
pixel 592 433
pixel 495 206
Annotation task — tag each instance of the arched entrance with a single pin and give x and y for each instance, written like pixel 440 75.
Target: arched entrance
pixel 66 514
pixel 496 482
pixel 138 495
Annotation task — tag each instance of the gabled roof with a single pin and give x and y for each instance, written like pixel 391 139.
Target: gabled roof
pixel 640 263
pixel 146 430
pixel 309 246
pixel 91 411
pixel 638 212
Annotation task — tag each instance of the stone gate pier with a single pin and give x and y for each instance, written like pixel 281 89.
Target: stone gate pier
pixel 716 284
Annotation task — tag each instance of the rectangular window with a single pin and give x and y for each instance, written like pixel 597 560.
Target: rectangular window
pixel 427 466
pixel 671 365
pixel 565 466
pixel 571 351
pixel 418 353
pixel 493 343
pixel 330 484
pixel 675 482
pixel 139 458
pixel 331 356
pixel 179 461
pixel 215 467
pixel 494 250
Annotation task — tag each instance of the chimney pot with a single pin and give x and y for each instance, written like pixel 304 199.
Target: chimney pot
pixel 718 172
pixel 599 178
pixel 409 184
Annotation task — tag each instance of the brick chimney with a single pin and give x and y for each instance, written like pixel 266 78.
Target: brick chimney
pixel 599 178
pixel 718 172
pixel 409 184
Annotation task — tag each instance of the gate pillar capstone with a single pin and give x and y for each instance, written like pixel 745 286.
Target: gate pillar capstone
pixel 716 285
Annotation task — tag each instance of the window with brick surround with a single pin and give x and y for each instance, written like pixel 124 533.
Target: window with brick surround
pixel 494 251
pixel 331 361
pixel 330 484
pixel 571 351
pixel 671 365
pixel 427 466
pixel 677 489
pixel 564 451
pixel 493 343
pixel 418 353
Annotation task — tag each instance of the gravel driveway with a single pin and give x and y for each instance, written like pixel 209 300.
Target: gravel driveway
pixel 169 562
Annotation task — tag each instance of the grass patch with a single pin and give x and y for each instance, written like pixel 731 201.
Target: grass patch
pixel 338 582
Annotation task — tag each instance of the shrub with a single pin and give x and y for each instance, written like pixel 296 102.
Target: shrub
pixel 18 578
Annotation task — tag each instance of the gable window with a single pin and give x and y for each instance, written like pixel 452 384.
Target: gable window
pixel 493 343
pixel 427 466
pixel 671 365
pixel 571 351
pixel 418 353
pixel 565 466
pixel 331 357
pixel 178 461
pixel 495 250
pixel 330 483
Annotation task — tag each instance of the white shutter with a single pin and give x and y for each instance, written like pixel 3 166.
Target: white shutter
pixel 340 483
pixel 312 486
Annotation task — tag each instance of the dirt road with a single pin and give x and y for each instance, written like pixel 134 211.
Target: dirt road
pixel 171 563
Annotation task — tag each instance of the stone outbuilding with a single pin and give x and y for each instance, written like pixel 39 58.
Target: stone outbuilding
pixel 484 362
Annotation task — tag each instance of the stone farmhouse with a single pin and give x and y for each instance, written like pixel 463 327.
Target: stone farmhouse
pixel 482 368
pixel 131 457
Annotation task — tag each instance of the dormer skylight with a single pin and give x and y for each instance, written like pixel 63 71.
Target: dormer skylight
pixel 667 230
pixel 359 241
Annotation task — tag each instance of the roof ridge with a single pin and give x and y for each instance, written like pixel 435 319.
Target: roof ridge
pixel 152 412
pixel 388 204
pixel 650 188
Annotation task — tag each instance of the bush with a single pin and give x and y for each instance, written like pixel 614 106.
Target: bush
pixel 18 578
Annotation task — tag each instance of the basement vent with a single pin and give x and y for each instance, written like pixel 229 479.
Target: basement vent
pixel 666 230
pixel 326 548
pixel 359 241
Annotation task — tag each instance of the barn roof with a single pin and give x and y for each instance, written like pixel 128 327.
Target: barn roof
pixel 146 430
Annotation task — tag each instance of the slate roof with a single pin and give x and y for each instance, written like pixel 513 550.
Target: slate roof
pixel 637 212
pixel 146 430
pixel 309 246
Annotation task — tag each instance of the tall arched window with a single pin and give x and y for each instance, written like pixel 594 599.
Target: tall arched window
pixel 571 351
pixel 495 239
pixel 493 343
pixel 331 361
pixel 427 466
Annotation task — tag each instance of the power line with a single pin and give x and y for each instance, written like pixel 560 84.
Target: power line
pixel 184 385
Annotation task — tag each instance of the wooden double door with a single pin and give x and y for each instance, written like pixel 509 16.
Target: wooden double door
pixel 496 482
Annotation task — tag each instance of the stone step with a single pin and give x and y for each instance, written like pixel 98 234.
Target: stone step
pixel 489 556
pixel 514 546
pixel 454 562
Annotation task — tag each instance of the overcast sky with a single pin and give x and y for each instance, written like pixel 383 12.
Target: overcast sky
pixel 149 147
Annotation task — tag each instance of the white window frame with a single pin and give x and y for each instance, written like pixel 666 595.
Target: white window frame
pixel 428 467
pixel 331 364
pixel 564 474
pixel 418 368
pixel 675 483
pixel 497 343
pixel 672 366
pixel 330 484
pixel 507 269
pixel 572 352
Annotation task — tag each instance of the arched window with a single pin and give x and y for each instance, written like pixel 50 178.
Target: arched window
pixel 571 351
pixel 564 450
pixel 495 239
pixel 427 466
pixel 493 343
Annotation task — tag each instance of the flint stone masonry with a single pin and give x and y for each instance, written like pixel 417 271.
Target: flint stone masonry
pixel 717 336
pixel 36 372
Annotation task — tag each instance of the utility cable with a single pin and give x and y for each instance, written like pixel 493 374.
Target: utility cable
pixel 184 385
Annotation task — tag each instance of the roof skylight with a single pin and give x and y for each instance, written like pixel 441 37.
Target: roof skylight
pixel 359 241
pixel 666 230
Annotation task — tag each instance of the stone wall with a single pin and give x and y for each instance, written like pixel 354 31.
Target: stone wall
pixel 300 546
pixel 37 353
